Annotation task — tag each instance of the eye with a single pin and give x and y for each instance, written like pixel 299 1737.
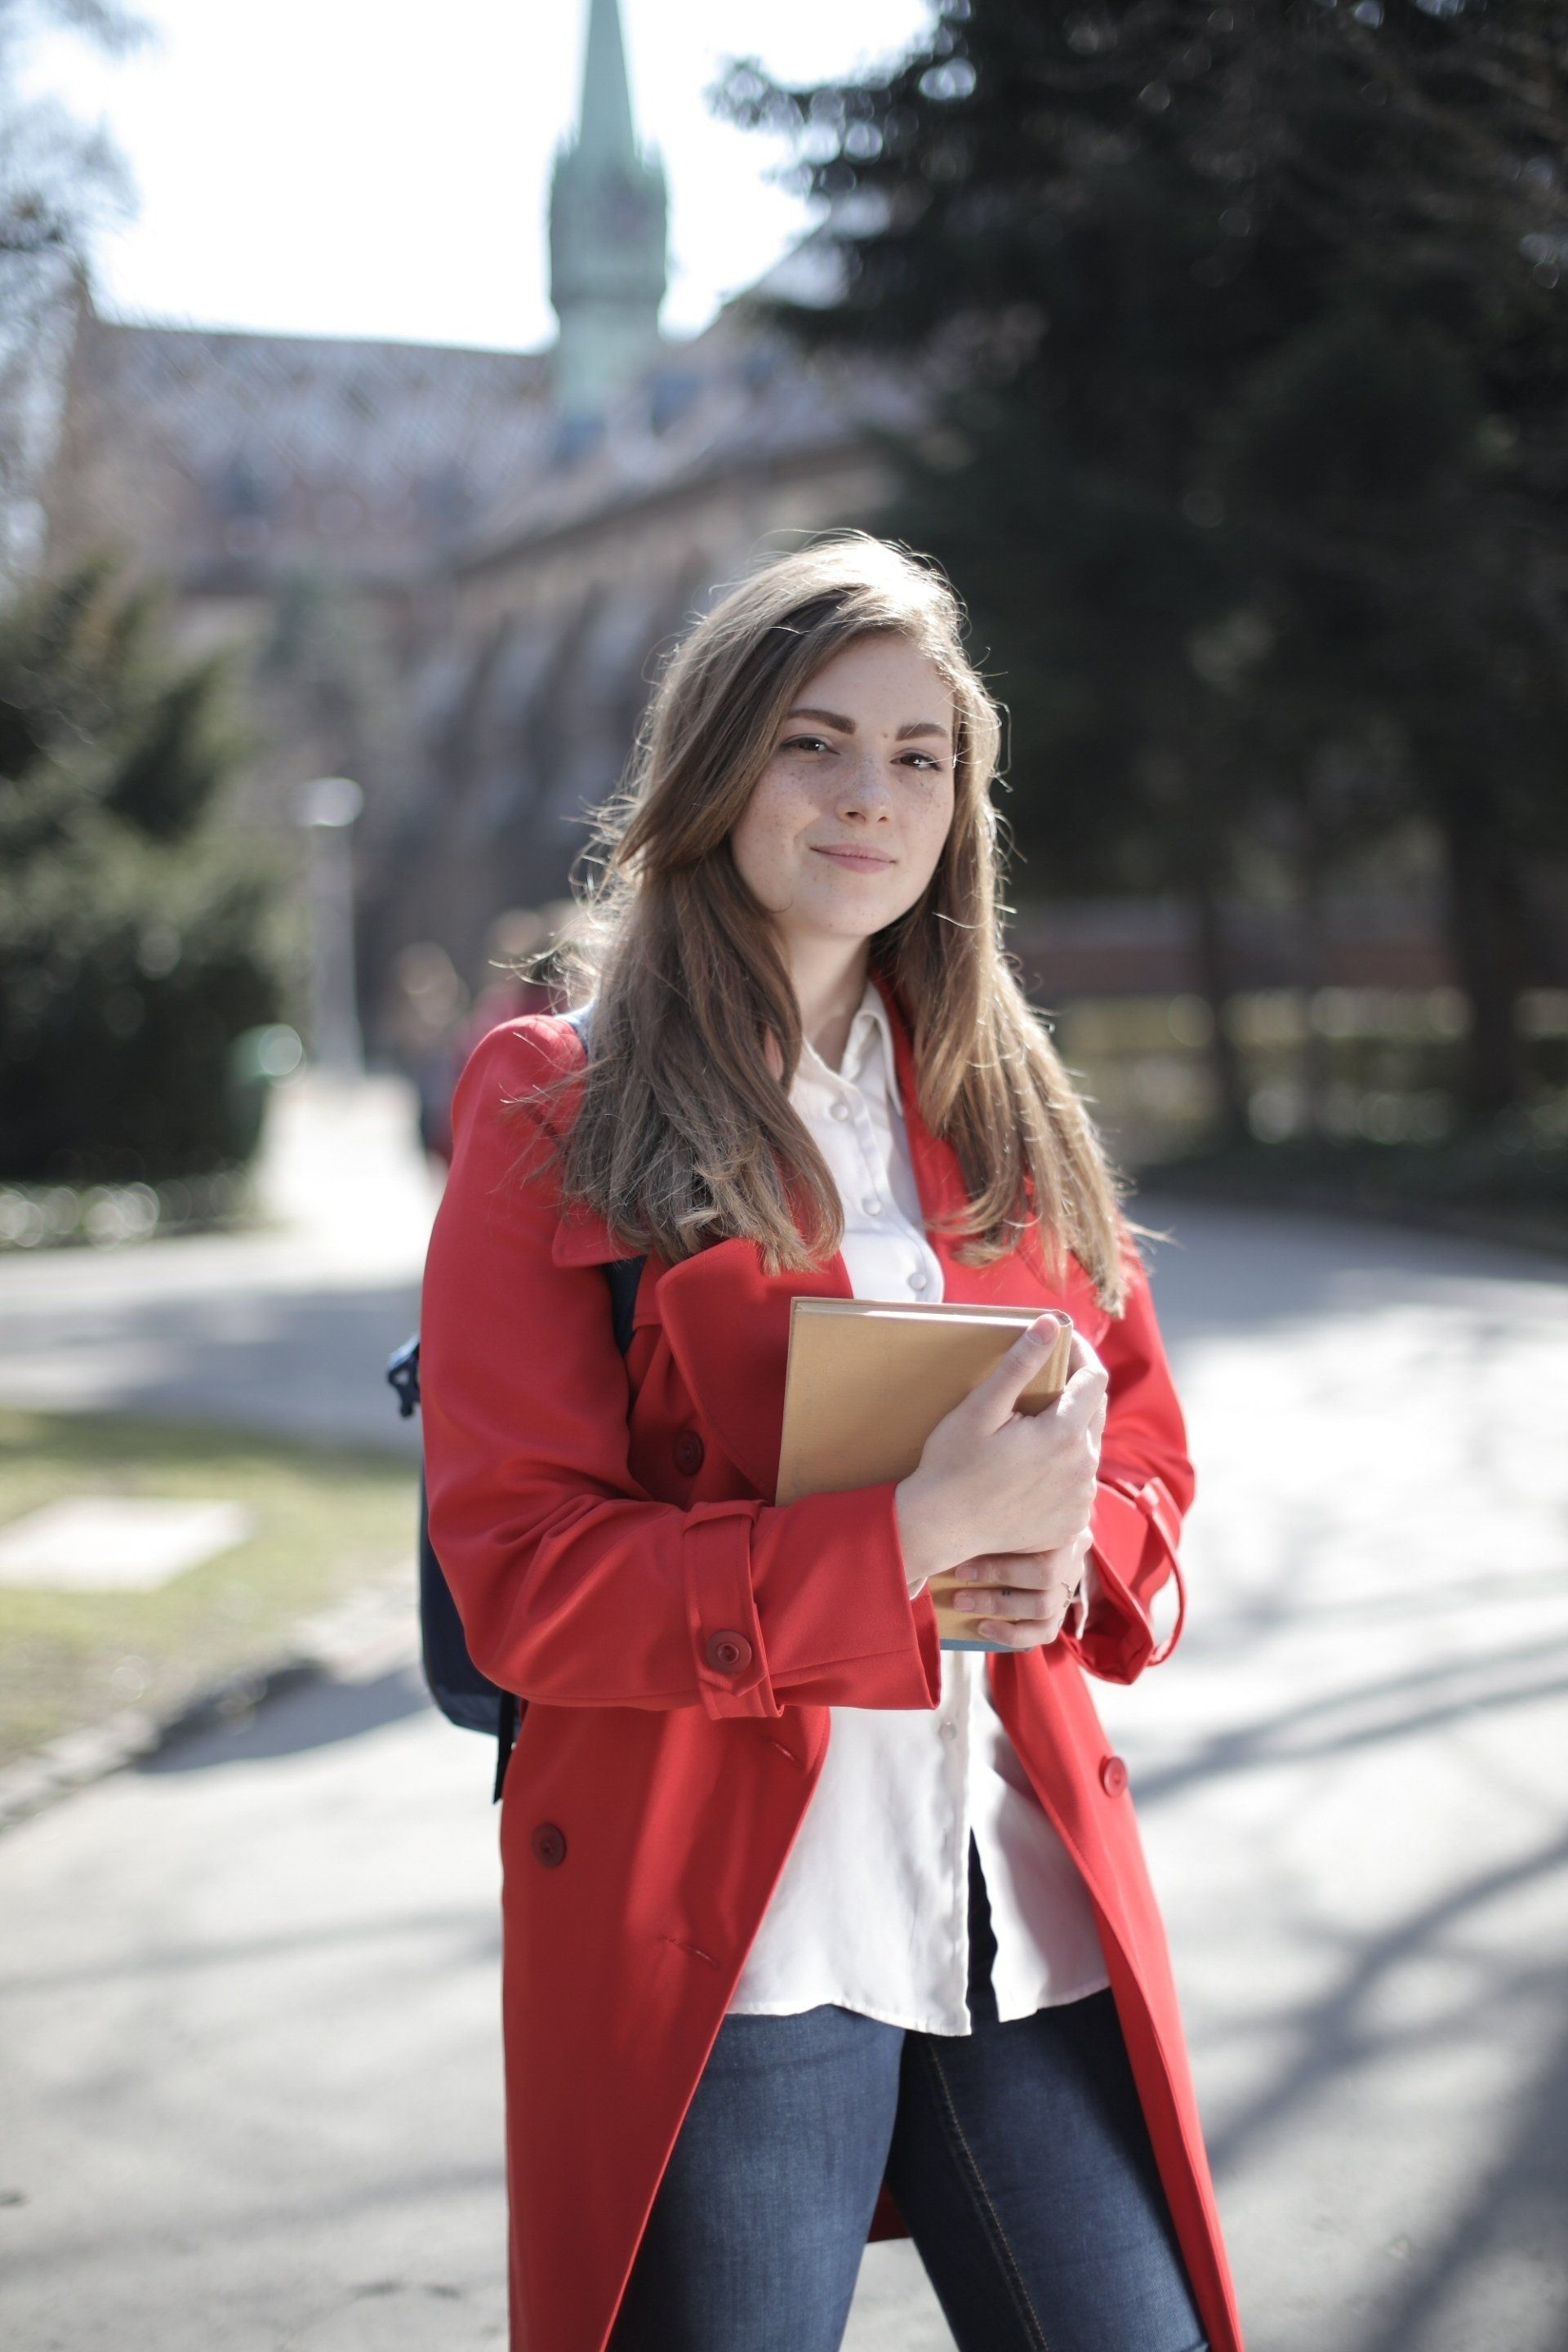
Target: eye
pixel 805 743
pixel 926 759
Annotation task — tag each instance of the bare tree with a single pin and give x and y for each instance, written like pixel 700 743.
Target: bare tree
pixel 59 182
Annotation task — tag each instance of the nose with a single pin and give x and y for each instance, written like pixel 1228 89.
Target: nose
pixel 863 788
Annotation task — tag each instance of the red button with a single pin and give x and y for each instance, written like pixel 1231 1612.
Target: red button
pixel 689 1452
pixel 550 1845
pixel 1113 1776
pixel 729 1654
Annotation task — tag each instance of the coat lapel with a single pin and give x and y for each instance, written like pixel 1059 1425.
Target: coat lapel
pixel 727 1322
pixel 1018 1279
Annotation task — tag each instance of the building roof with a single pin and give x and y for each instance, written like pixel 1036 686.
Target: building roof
pixel 732 399
pixel 374 455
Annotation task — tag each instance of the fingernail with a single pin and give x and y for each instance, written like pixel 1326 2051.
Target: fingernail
pixel 969 1601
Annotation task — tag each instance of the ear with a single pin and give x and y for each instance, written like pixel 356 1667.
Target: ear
pixel 774 1053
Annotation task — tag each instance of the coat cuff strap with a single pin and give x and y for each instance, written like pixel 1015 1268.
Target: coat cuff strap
pixel 732 1666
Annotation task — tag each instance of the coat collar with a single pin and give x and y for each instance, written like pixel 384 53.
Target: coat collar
pixel 727 1320
pixel 583 1238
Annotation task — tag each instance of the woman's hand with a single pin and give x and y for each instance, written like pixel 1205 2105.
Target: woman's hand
pixel 992 1480
pixel 1019 1598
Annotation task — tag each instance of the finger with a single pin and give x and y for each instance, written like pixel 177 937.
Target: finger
pixel 1083 1357
pixel 1084 1395
pixel 1015 1602
pixel 993 1399
pixel 1015 1637
pixel 1022 1569
pixel 1020 1604
pixel 1037 1571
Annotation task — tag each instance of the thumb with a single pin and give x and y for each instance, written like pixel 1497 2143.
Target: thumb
pixel 994 1399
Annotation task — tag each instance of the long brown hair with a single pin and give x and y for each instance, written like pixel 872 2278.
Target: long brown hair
pixel 685 1134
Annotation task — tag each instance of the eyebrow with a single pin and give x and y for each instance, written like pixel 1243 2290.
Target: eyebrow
pixel 847 726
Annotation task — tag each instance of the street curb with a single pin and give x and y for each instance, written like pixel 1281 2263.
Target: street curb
pixel 370 1632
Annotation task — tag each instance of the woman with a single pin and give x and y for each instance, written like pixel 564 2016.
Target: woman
pixel 812 1928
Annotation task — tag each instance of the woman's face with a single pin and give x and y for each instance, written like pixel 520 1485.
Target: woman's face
pixel 847 820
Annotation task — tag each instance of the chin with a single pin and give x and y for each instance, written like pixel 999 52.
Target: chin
pixel 859 916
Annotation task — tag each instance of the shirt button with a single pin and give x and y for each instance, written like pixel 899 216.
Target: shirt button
pixel 918 1278
pixel 549 1846
pixel 871 1206
pixel 1113 1776
pixel 950 1731
pixel 729 1654
pixel 688 1450
pixel 839 1110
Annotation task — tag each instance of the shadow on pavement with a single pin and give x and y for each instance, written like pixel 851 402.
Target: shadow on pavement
pixel 1501 2247
pixel 316 1713
pixel 1513 2217
pixel 1233 1270
pixel 307 1364
pixel 1401 1705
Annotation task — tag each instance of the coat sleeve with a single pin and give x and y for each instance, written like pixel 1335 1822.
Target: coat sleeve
pixel 1144 1490
pixel 576 1586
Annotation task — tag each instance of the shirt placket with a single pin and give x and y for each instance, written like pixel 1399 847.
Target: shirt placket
pixel 876 1199
pixel 955 1731
pixel 954 1724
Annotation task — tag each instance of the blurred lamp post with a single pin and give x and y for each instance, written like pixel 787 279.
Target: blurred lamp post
pixel 327 810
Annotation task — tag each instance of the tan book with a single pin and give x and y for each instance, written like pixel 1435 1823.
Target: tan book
pixel 869 1380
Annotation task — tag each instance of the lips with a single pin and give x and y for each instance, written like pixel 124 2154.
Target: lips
pixel 859 861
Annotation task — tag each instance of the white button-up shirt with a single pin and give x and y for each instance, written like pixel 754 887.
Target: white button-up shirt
pixel 872 1909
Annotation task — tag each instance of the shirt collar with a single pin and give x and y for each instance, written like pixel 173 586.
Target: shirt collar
pixel 869 1021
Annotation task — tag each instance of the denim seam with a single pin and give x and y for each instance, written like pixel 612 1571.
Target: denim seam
pixel 980 2198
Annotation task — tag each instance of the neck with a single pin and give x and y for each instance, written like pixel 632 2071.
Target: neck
pixel 829 978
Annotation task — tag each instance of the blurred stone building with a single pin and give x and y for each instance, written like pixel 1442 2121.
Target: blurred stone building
pixel 452 572
pixel 451 575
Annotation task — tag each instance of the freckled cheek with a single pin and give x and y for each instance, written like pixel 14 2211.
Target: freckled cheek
pixel 787 821
pixel 777 815
pixel 769 856
pixel 930 840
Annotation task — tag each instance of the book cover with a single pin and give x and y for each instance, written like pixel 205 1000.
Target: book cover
pixel 867 1381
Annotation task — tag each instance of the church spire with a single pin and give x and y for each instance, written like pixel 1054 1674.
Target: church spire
pixel 606 130
pixel 608 207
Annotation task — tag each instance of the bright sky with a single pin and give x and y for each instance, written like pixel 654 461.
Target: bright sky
pixel 349 167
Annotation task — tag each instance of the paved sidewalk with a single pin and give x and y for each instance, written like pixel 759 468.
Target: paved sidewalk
pixel 284 1329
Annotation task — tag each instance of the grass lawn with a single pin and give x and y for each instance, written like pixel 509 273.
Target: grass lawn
pixel 325 1522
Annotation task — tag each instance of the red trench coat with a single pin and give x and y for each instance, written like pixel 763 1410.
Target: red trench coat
pixel 679 1641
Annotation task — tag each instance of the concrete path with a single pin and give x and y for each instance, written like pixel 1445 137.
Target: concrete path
pixel 286 1327
pixel 248 2041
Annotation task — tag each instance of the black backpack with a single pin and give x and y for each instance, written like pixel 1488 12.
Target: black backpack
pixel 465 1695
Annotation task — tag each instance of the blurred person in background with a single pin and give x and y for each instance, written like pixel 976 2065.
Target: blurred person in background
pixel 435 1027
pixel 518 950
pixel 428 1004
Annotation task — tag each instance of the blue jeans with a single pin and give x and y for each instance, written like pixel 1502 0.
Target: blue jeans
pixel 1018 2155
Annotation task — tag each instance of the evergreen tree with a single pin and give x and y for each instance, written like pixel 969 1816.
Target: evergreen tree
pixel 1245 334
pixel 133 928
